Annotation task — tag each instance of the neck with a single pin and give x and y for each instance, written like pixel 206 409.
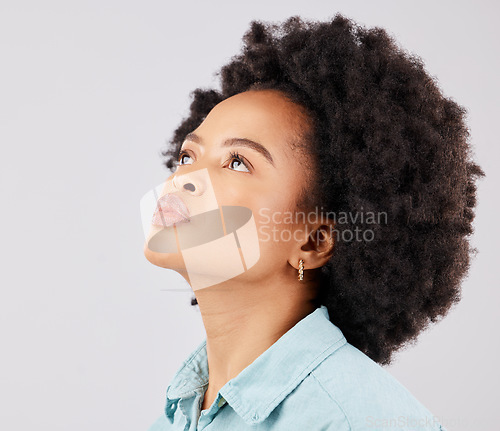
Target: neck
pixel 243 320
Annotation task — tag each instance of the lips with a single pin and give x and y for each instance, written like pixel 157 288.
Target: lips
pixel 170 209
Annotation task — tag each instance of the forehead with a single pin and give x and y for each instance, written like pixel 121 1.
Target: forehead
pixel 266 116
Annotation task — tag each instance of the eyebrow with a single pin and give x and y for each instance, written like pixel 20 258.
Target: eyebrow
pixel 231 142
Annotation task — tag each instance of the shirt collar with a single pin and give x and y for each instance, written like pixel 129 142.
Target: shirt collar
pixel 266 382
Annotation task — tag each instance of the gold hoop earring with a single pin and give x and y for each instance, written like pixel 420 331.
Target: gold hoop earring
pixel 301 270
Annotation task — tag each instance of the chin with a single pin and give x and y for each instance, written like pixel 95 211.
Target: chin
pixel 165 260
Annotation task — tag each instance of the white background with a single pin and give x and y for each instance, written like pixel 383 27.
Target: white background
pixel 90 92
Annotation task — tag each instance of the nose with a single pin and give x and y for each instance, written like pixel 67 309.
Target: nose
pixel 192 183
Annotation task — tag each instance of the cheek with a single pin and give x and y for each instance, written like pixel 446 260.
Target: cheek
pixel 276 228
pixel 276 216
pixel 271 201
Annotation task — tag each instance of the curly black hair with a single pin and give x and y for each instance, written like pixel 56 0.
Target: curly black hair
pixel 383 138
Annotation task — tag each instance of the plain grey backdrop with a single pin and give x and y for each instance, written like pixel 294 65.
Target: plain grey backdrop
pixel 90 91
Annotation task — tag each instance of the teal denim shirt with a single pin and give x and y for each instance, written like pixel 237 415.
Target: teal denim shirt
pixel 311 379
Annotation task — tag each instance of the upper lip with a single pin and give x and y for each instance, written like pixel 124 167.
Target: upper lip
pixel 171 202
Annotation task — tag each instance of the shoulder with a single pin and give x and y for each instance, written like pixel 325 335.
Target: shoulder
pixel 368 395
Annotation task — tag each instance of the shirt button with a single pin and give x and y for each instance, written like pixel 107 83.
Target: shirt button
pixel 255 417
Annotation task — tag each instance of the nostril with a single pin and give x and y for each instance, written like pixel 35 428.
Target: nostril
pixel 190 187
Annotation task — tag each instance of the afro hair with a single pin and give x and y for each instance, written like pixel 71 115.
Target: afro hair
pixel 383 139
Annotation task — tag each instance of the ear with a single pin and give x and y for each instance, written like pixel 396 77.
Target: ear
pixel 316 249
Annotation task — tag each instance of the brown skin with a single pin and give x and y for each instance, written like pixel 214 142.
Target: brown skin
pixel 245 315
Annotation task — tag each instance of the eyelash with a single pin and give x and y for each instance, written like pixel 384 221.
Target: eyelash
pixel 233 155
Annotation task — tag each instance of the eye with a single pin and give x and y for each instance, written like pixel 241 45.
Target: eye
pixel 180 159
pixel 240 160
pixel 234 157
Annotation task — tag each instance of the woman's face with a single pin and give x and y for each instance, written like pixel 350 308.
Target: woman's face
pixel 263 127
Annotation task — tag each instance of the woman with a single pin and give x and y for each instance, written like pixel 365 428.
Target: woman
pixel 301 311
